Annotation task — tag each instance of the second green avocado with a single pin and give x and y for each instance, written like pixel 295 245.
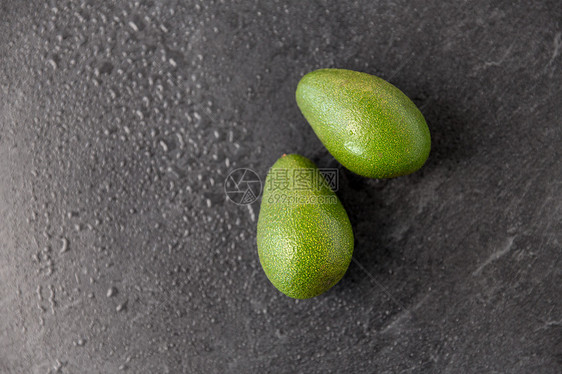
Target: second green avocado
pixel 366 123
pixel 305 240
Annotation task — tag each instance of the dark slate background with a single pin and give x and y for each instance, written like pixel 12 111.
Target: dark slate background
pixel 120 252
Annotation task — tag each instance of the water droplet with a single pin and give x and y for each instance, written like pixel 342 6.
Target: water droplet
pixel 52 62
pixel 112 291
pixel 52 298
pixel 64 247
pixel 121 307
pixel 133 26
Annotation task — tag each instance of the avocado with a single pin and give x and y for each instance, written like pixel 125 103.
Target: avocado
pixel 304 237
pixel 366 123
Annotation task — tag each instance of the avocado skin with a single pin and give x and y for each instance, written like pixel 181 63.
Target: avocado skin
pixel 305 241
pixel 366 123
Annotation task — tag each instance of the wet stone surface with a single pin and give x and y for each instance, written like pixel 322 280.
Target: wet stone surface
pixel 119 251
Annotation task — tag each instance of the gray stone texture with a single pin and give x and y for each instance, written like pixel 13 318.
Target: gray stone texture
pixel 120 252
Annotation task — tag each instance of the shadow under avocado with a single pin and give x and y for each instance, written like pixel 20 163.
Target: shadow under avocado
pixel 451 139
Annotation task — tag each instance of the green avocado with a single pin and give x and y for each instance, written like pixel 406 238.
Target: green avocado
pixel 366 123
pixel 305 240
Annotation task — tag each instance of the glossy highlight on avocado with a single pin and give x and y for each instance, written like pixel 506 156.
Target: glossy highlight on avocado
pixel 304 238
pixel 366 123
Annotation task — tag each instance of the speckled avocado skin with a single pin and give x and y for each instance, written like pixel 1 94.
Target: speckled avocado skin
pixel 305 240
pixel 366 123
